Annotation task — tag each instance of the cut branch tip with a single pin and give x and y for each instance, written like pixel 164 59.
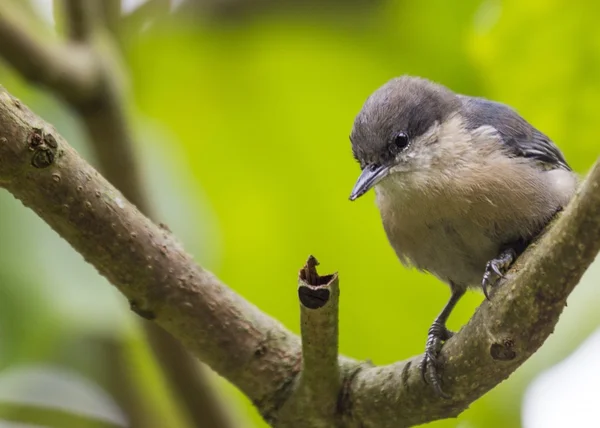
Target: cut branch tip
pixel 310 277
pixel 314 291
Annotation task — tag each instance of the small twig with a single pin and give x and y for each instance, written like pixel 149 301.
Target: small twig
pixel 319 305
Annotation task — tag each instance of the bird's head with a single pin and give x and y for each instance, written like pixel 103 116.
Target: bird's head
pixel 396 129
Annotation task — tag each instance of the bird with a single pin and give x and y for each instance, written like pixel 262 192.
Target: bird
pixel 463 185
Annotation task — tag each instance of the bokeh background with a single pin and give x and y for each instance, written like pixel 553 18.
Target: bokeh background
pixel 241 111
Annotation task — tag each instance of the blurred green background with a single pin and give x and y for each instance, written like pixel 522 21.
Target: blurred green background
pixel 242 117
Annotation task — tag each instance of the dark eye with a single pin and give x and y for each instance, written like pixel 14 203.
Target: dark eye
pixel 401 140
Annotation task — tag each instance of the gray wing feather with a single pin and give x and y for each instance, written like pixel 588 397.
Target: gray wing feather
pixel 520 137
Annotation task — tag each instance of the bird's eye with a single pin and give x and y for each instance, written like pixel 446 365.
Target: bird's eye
pixel 399 143
pixel 401 140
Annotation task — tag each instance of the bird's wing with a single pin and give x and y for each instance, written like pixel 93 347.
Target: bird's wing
pixel 520 137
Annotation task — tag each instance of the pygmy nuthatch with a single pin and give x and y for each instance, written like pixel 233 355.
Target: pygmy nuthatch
pixel 463 185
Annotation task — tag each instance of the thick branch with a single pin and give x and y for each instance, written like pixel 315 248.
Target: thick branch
pixel 142 259
pixel 103 113
pixel 254 351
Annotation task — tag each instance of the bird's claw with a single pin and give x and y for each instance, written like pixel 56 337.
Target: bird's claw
pixel 429 365
pixel 498 267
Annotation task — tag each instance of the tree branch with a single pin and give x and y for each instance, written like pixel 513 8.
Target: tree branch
pixel 502 334
pixel 166 285
pixel 71 70
pixel 86 77
pixel 103 114
pixel 252 350
pixel 320 377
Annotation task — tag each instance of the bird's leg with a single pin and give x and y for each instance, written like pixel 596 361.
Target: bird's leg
pixel 497 267
pixel 438 333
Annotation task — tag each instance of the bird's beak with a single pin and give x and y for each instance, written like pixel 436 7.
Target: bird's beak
pixel 370 176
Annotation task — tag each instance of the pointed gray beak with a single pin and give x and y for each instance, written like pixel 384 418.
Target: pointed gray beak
pixel 370 176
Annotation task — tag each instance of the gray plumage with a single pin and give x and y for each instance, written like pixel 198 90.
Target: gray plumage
pixel 521 138
pixel 474 178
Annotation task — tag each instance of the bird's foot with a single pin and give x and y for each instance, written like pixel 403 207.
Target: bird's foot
pixel 497 267
pixel 438 333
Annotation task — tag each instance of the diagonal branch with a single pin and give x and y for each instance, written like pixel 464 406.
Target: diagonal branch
pixel 252 350
pixel 103 113
pixel 144 260
pixel 503 333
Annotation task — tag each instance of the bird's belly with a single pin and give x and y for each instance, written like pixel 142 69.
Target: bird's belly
pixel 453 228
pixel 454 250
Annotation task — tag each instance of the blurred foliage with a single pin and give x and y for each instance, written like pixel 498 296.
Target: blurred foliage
pixel 243 134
